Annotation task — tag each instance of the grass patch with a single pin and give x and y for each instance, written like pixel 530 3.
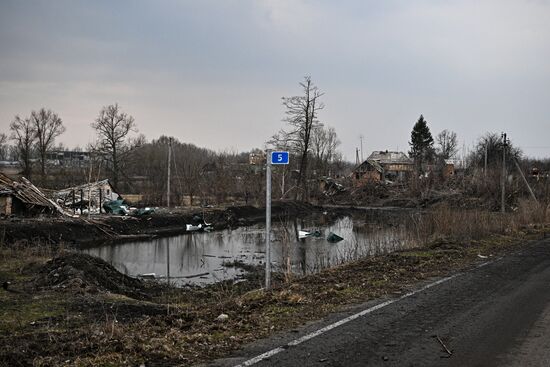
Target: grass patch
pixel 21 313
pixel 422 254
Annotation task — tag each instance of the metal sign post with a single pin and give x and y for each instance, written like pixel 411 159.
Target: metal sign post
pixel 272 158
pixel 268 223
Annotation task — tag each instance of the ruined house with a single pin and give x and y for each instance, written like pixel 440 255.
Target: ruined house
pixel 23 198
pixel 443 168
pixel 367 172
pixel 329 186
pixel 88 196
pixel 449 169
pixel 397 166
pixel 257 159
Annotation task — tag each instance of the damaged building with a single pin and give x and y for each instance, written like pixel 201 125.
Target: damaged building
pixel 367 172
pixel 88 196
pixel 382 166
pixel 396 165
pixel 22 198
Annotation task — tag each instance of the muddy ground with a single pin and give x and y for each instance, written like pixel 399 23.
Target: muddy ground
pixel 73 309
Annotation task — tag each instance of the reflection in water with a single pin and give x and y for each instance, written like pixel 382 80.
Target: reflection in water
pixel 199 258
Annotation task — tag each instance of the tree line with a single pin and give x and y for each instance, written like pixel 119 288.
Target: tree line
pixel 136 165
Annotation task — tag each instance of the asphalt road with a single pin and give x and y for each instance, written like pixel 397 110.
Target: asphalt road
pixel 495 315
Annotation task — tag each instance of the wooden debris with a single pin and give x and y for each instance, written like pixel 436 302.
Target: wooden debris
pixel 443 345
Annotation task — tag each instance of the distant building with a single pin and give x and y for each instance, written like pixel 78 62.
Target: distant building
pixel 445 169
pixel 257 159
pixel 396 165
pixel 449 169
pixel 68 158
pixel 367 172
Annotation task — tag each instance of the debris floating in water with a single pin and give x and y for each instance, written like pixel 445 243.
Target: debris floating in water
pixel 196 275
pixel 333 238
pixel 305 234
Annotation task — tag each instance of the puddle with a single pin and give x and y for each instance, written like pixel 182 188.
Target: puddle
pixel 200 258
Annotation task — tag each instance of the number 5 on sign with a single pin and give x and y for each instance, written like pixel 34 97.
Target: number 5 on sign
pixel 279 157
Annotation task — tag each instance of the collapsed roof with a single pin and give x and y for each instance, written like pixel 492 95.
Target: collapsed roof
pixel 93 192
pixel 388 157
pixel 369 165
pixel 28 194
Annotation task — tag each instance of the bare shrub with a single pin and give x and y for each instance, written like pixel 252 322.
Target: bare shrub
pixel 445 222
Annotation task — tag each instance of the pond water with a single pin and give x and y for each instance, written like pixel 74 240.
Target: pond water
pixel 202 258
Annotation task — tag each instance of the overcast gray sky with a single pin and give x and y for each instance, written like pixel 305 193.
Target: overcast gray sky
pixel 212 72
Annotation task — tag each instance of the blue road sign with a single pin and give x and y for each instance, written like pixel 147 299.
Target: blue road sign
pixel 279 157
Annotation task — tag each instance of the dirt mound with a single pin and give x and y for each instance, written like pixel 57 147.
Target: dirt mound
pixel 89 274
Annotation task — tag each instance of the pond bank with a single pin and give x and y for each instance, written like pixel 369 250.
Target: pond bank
pixel 84 231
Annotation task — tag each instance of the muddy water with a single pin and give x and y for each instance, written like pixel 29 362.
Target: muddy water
pixel 202 258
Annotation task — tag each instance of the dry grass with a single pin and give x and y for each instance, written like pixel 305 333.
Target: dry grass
pixel 444 222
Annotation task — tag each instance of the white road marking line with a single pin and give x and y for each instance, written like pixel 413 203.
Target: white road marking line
pixel 488 262
pixel 323 330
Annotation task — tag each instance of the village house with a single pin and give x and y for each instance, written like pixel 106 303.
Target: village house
pixel 367 172
pixel 396 165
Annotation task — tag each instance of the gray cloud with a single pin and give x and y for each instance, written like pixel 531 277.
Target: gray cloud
pixel 213 72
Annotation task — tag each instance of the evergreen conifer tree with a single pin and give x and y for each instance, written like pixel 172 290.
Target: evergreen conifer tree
pixel 421 143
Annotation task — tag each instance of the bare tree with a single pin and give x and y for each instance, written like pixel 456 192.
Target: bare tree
pixel 490 145
pixel 325 143
pixel 113 128
pixel 3 146
pixel 24 135
pixel 47 126
pixel 447 144
pixel 301 116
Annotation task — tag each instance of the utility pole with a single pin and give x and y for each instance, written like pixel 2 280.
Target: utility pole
pixel 525 181
pixel 361 138
pixel 503 181
pixel 168 185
